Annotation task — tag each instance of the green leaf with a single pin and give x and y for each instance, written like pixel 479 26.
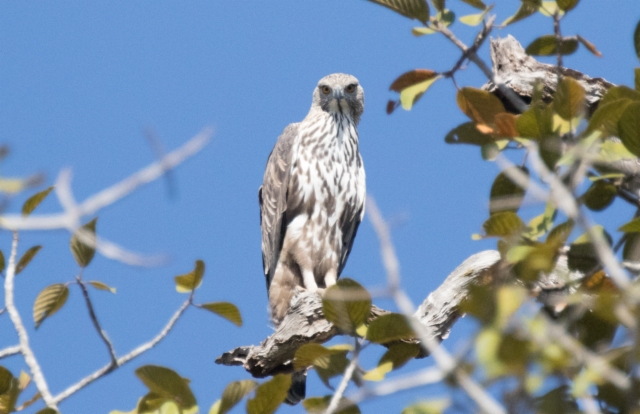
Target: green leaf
pixel 5 379
pixel 631 227
pixel 503 224
pixel 192 280
pixel 47 411
pixel 396 356
pixel 548 46
pixel 421 31
pixel 582 254
pixel 475 19
pixel 34 201
pixel 167 384
pixel 346 304
pixel 505 194
pixel 549 8
pixel 636 73
pixel 619 92
pixel 83 243
pixel 413 9
pixel 527 8
pixel 269 395
pixel 9 397
pixel 438 4
pixel 606 117
pixel 559 235
pixel 233 394
pixel 2 262
pixel 600 195
pixel 629 128
pixel 102 286
pixel 568 101
pixel 541 224
pixel 478 4
pixel 536 122
pixel 631 250
pixel 558 400
pixel 26 258
pixel 308 353
pixel 389 327
pixel 566 5
pixel 636 40
pixel 446 17
pixel 479 105
pixel 319 405
pixel 410 95
pixel 467 133
pixel 49 301
pixel 227 310
pixel 436 406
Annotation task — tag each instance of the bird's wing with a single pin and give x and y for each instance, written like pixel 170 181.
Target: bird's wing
pixel 272 196
pixel 350 220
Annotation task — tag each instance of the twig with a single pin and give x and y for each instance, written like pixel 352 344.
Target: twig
pixel 124 359
pixel 7 352
pixel 25 349
pixel 556 31
pixel 109 195
pixel 446 363
pixel 565 201
pixel 479 40
pixel 348 373
pixel 473 56
pixel 94 319
pixel 426 376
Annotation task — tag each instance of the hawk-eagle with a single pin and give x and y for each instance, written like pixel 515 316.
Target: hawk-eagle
pixel 313 194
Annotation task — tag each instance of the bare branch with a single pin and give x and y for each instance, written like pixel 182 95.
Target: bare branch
pixel 94 320
pixel 123 359
pixel 348 373
pixel 7 352
pixel 25 348
pixel 442 358
pixel 420 378
pixel 112 194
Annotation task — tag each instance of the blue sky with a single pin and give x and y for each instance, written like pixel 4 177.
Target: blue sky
pixel 80 82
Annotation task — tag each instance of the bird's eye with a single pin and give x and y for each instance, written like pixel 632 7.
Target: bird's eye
pixel 350 88
pixel 325 89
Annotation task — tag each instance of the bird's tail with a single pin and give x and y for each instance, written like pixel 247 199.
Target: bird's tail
pixel 298 387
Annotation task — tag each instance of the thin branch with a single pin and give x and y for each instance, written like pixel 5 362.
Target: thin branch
pixel 423 377
pixel 348 374
pixel 94 320
pixel 473 56
pixel 123 359
pixel 477 43
pixel 7 352
pixel 25 349
pixel 556 32
pixel 446 363
pixel 565 201
pixel 112 194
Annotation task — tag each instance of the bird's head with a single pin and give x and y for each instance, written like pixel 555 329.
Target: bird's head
pixel 340 93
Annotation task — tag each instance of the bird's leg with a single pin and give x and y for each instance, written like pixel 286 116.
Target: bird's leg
pixel 330 278
pixel 309 280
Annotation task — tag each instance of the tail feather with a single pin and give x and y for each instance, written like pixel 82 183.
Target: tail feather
pixel 298 387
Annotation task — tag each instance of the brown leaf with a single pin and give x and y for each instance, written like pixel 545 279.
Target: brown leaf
pixel 411 78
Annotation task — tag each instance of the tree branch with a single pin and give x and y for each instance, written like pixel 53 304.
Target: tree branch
pixel 94 320
pixel 25 348
pixel 123 359
pixel 109 195
pixel 7 352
